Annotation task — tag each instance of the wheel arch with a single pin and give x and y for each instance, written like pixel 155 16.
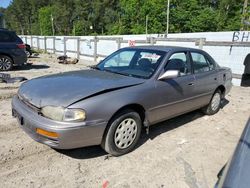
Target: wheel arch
pixel 134 106
pixel 222 89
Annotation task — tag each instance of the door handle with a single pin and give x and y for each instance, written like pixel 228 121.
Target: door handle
pixel 191 84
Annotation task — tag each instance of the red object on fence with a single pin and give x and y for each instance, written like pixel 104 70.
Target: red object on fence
pixel 131 42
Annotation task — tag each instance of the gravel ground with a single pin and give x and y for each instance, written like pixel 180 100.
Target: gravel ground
pixel 187 151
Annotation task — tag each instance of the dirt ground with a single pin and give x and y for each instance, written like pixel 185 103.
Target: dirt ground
pixel 187 151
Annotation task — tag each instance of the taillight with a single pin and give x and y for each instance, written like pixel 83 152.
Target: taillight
pixel 21 46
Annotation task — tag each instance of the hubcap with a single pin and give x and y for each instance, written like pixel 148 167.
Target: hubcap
pixel 5 64
pixel 125 133
pixel 215 102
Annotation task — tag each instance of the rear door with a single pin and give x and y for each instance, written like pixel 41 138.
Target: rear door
pixel 206 79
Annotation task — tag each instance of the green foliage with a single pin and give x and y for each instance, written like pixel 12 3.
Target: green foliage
pixel 133 15
pixel 45 22
pixel 95 17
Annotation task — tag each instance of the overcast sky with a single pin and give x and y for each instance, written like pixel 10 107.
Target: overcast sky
pixel 4 3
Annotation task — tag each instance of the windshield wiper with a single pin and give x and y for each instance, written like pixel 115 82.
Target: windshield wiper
pixel 122 73
pixel 108 70
pixel 125 74
pixel 138 76
pixel 94 67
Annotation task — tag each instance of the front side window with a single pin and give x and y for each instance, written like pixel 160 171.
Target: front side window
pixel 178 61
pixel 133 62
pixel 200 63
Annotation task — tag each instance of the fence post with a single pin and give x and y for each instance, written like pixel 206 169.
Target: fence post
pixel 152 40
pixel 31 41
pixel 201 43
pixel 64 45
pixel 95 48
pixel 78 48
pixel 38 43
pixel 45 44
pixel 54 44
pixel 118 41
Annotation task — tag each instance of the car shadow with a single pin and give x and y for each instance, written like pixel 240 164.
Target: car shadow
pixel 154 131
pixel 169 125
pixel 224 102
pixel 33 57
pixel 83 153
pixel 29 67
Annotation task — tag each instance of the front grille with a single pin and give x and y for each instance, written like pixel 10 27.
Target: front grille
pixel 31 106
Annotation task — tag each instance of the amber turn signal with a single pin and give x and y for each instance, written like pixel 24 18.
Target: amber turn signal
pixel 47 133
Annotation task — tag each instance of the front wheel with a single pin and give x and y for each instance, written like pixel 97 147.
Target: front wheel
pixel 123 133
pixel 214 106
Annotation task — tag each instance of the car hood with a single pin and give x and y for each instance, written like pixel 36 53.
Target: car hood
pixel 66 88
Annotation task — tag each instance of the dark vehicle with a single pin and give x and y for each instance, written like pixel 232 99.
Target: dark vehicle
pixel 110 103
pixel 2 21
pixel 28 50
pixel 237 170
pixel 11 50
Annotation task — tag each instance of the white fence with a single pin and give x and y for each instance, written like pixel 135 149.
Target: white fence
pixel 228 48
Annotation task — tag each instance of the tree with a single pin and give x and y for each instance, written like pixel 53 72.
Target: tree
pixel 134 15
pixel 229 16
pixel 92 17
pixel 45 22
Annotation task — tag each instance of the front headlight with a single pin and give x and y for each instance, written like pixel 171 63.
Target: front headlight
pixel 52 112
pixel 74 115
pixel 62 114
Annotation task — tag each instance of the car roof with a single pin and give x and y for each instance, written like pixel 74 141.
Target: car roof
pixel 164 48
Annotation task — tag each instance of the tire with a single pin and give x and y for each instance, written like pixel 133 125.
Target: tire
pixel 28 54
pixel 6 63
pixel 214 105
pixel 123 133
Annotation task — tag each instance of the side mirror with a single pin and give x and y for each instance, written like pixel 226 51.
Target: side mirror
pixel 169 74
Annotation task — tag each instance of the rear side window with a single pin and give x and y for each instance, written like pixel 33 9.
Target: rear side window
pixel 7 37
pixel 201 63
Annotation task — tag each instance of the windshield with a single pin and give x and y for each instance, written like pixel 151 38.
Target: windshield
pixel 133 62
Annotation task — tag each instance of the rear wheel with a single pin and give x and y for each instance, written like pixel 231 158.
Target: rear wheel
pixel 6 63
pixel 214 106
pixel 123 133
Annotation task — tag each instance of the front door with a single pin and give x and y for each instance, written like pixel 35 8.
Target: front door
pixel 174 94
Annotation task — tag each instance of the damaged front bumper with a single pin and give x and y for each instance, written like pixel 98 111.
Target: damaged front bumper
pixel 70 134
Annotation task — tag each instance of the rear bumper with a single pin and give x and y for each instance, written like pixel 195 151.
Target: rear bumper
pixel 20 57
pixel 71 135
